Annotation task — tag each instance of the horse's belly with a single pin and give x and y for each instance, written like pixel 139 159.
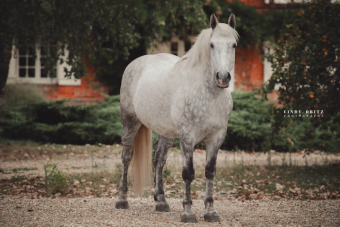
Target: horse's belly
pixel 152 103
pixel 157 119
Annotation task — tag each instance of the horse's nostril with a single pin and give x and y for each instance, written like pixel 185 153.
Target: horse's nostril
pixel 228 77
pixel 217 76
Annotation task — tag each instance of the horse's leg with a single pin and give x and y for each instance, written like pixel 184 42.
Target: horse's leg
pixel 163 146
pixel 212 145
pixel 188 174
pixel 130 128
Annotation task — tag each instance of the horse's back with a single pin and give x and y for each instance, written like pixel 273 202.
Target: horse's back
pixel 147 62
pixel 144 65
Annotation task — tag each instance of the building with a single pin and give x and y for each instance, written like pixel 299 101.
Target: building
pixel 24 68
pixel 250 72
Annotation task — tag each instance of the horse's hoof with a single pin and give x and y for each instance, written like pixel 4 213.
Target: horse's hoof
pixel 122 205
pixel 188 218
pixel 212 217
pixel 162 207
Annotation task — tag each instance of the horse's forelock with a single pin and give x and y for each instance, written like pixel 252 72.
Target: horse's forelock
pixel 200 51
pixel 225 30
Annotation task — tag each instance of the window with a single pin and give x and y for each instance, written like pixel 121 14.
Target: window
pixel 174 48
pixel 187 46
pixel 31 67
pixel 27 63
pixel 46 50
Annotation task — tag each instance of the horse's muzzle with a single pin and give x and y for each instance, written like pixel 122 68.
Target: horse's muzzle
pixel 223 80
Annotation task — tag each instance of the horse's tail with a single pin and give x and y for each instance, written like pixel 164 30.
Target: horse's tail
pixel 141 160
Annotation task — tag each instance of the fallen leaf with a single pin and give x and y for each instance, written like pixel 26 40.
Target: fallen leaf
pixel 279 186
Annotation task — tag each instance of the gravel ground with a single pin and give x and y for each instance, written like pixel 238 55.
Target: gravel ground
pixel 101 212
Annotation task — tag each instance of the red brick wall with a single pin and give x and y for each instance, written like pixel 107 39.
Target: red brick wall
pixel 249 64
pixel 89 92
pixel 248 69
pixel 259 4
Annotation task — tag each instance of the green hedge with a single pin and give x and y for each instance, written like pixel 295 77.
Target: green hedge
pixel 249 128
pixel 54 122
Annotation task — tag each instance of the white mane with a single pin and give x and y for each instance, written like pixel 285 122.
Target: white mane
pixel 200 51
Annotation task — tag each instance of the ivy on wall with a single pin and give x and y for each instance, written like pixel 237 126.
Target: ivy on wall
pixel 253 27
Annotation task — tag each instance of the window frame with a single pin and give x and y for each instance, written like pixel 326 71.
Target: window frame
pixel 14 70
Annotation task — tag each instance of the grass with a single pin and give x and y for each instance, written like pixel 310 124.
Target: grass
pixel 238 181
pixel 35 150
pixel 246 178
pixel 233 181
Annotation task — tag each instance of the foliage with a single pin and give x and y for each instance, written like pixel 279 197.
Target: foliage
pixel 55 179
pixel 153 21
pixel 306 65
pixel 101 33
pixel 18 94
pixel 79 26
pixel 250 129
pixel 55 122
pixel 254 27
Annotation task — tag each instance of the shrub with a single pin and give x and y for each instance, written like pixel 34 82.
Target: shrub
pixel 17 95
pixel 249 127
pixel 54 122
pixel 55 179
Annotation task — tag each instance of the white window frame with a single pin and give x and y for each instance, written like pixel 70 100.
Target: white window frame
pixel 13 75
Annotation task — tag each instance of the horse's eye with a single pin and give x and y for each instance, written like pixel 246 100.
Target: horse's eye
pixel 211 45
pixel 234 45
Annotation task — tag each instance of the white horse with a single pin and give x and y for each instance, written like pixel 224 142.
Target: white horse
pixel 178 98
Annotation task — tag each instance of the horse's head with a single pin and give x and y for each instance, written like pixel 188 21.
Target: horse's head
pixel 222 49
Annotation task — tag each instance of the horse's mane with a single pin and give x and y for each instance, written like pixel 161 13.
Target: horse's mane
pixel 200 51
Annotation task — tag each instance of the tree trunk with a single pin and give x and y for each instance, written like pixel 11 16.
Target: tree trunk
pixel 5 57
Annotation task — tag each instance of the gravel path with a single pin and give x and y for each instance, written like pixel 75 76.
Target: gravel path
pixel 101 212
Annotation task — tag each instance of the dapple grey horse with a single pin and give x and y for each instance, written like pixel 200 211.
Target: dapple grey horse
pixel 183 98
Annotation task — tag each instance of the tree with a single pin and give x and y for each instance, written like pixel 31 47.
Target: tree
pixel 90 30
pixel 306 65
pixel 253 27
pixel 155 21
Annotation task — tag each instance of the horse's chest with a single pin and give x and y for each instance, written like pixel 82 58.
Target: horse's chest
pixel 204 115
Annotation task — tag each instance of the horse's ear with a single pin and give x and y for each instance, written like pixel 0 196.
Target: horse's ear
pixel 232 21
pixel 213 21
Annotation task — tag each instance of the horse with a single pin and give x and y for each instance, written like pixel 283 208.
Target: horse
pixel 183 98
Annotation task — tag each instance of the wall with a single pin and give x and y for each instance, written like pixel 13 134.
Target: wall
pixel 249 68
pixel 88 92
pixel 84 91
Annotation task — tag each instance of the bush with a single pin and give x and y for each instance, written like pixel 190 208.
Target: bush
pixel 17 95
pixel 54 122
pixel 305 65
pixel 249 127
pixel 55 179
